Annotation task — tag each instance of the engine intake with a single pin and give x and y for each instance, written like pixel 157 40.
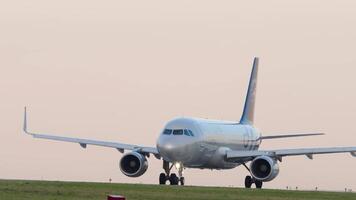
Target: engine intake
pixel 133 164
pixel 264 168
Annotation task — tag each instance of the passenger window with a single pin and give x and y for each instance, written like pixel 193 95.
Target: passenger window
pixel 191 133
pixel 186 132
pixel 178 132
pixel 167 131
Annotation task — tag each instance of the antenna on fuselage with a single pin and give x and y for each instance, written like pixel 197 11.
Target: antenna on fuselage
pixel 249 108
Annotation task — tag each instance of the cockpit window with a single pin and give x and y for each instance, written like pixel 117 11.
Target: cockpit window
pixel 167 131
pixel 178 132
pixel 186 132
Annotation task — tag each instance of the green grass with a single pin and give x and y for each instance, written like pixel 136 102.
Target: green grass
pixel 50 190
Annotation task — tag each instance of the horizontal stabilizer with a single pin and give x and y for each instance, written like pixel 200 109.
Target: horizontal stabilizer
pixel 287 136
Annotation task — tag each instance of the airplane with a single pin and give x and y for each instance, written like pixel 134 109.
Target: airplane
pixel 207 144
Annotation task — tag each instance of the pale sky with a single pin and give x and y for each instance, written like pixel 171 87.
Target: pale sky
pixel 118 70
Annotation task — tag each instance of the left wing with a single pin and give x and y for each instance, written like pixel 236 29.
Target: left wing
pixel 84 142
pixel 279 153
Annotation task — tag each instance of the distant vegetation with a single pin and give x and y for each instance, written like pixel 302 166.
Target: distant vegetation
pixel 50 190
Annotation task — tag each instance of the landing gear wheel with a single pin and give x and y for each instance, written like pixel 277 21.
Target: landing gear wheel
pixel 162 179
pixel 258 184
pixel 173 179
pixel 248 182
pixel 181 180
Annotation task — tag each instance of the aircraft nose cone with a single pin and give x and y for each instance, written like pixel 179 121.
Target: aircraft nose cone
pixel 176 148
pixel 166 148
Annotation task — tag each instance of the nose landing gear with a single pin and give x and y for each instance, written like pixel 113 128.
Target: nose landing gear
pixel 172 178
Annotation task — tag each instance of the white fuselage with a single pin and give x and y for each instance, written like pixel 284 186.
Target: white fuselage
pixel 206 146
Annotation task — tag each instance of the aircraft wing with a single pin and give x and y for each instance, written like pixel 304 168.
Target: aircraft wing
pixel 84 142
pixel 279 153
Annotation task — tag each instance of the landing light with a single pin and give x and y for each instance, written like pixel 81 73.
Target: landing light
pixel 178 165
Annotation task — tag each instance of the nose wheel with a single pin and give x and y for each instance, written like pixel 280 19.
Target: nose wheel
pixel 162 179
pixel 181 181
pixel 172 178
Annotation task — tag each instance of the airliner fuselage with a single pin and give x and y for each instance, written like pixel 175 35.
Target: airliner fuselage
pixel 201 143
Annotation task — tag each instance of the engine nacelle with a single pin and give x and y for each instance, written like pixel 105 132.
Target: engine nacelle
pixel 133 164
pixel 264 168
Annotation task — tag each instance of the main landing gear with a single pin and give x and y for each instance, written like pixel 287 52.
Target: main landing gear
pixel 250 180
pixel 172 178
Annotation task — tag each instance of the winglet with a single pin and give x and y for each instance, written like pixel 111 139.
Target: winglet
pixel 249 108
pixel 25 122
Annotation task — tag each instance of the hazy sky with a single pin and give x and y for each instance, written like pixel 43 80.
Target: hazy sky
pixel 118 70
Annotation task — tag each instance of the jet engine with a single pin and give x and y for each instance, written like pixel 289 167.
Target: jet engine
pixel 133 164
pixel 264 168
